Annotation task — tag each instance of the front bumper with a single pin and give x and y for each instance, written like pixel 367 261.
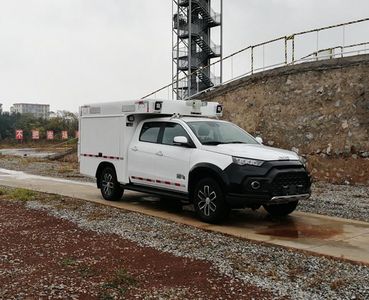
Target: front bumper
pixel 289 198
pixel 280 182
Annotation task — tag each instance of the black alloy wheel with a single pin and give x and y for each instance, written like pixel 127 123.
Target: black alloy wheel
pixel 109 185
pixel 209 202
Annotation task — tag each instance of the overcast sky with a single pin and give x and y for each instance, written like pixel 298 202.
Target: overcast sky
pixel 70 52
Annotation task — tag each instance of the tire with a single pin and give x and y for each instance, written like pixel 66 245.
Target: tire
pixel 280 210
pixel 209 201
pixel 109 185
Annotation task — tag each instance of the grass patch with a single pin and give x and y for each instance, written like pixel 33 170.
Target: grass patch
pixel 121 277
pixel 104 295
pixel 86 271
pixel 22 194
pixel 66 262
pixel 8 193
pixel 118 284
pixel 17 194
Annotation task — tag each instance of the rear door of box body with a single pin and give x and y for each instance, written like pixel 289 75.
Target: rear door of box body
pixel 102 140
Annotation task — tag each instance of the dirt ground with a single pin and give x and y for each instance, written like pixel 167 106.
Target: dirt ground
pixel 43 257
pixel 66 167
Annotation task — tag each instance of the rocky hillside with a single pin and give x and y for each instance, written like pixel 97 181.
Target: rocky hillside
pixel 319 108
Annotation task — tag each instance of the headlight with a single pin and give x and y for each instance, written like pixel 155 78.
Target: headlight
pixel 303 161
pixel 247 161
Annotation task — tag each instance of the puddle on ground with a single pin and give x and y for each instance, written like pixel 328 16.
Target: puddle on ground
pixel 288 227
pixel 263 224
pixel 296 231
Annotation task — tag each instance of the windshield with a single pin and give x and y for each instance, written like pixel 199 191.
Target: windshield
pixel 216 133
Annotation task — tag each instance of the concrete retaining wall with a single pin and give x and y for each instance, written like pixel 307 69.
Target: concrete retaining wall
pixel 318 107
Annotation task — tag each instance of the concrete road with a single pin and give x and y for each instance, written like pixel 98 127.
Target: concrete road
pixel 331 236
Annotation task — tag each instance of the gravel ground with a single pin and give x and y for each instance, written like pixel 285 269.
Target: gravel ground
pixel 282 272
pixel 344 201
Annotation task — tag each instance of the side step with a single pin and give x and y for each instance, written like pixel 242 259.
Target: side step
pixel 158 192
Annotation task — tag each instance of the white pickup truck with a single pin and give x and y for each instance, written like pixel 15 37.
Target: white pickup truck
pixel 181 149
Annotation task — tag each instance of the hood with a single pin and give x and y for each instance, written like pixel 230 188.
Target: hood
pixel 256 151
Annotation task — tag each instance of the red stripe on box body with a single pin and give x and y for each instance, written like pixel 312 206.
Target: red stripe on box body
pixel 158 181
pixel 102 156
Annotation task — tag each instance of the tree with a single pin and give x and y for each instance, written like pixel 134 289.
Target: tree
pixel 27 122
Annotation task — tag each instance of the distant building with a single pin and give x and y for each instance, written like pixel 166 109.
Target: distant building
pixel 37 110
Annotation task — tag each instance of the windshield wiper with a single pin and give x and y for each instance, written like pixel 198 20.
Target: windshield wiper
pixel 235 142
pixel 212 143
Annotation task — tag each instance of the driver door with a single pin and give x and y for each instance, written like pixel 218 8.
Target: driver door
pixel 174 162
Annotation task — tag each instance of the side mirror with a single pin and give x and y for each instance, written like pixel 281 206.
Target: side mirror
pixel 259 140
pixel 180 141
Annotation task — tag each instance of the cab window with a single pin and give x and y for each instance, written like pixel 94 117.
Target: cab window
pixel 150 132
pixel 172 130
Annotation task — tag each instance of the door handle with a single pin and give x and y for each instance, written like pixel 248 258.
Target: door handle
pixel 134 148
pixel 159 153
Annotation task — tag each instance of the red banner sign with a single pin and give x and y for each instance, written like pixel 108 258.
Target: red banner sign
pixel 50 135
pixel 35 135
pixel 64 135
pixel 19 134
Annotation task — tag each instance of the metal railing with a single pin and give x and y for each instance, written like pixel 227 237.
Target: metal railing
pixel 341 49
pixel 215 16
pixel 297 48
pixel 183 32
pixel 205 7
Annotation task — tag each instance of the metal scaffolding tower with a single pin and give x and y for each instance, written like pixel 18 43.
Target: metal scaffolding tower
pixel 194 23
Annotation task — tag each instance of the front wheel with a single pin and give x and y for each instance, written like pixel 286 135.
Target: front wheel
pixel 209 201
pixel 280 210
pixel 109 185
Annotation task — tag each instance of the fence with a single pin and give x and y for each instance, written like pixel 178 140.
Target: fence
pixel 329 42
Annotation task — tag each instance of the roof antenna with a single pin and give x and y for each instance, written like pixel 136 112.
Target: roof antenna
pixel 176 116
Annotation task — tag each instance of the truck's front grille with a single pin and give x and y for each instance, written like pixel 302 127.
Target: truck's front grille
pixel 290 184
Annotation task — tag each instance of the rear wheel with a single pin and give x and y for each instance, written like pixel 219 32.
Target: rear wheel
pixel 280 210
pixel 209 201
pixel 109 185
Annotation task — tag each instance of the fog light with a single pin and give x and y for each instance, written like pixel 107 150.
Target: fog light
pixel 255 185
